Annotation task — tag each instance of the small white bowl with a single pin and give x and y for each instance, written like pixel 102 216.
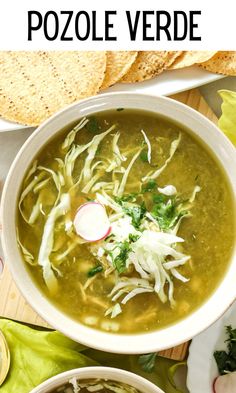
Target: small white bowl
pixel 114 374
pixel 164 338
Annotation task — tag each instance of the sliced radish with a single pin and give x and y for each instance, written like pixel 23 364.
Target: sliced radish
pixel 91 222
pixel 225 383
pixel 213 385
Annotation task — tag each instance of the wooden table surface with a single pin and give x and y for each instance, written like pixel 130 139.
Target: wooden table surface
pixel 14 306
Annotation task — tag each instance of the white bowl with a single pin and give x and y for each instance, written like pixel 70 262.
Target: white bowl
pixel 114 374
pixel 119 343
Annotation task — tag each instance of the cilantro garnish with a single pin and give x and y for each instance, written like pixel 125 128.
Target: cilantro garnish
pixel 166 211
pixel 126 198
pixel 226 360
pixel 120 260
pixel 133 238
pixel 149 186
pixel 147 362
pixel 95 270
pixel 136 212
pixel 144 155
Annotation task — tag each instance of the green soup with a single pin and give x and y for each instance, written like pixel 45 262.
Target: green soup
pixel 94 385
pixel 171 215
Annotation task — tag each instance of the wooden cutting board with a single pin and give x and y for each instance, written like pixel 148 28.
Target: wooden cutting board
pixel 14 306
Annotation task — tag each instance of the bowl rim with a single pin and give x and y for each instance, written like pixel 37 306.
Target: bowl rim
pixel 115 374
pixel 161 339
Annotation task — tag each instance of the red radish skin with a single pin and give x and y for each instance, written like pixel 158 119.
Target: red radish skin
pixel 91 222
pixel 213 385
pixel 225 383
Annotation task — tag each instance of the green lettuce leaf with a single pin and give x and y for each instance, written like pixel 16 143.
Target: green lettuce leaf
pixel 227 121
pixel 37 355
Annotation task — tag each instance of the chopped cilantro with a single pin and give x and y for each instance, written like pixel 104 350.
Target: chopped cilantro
pixel 159 198
pixel 93 125
pixel 126 198
pixel 133 238
pixel 109 236
pixel 95 270
pixel 147 362
pixel 166 212
pixel 226 360
pixel 136 212
pixel 120 260
pixel 149 186
pixel 144 155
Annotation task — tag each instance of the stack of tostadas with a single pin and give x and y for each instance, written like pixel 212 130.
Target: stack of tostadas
pixel 34 85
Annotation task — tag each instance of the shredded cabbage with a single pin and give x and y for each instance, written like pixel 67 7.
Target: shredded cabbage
pixel 149 255
pixel 57 178
pixel 92 181
pixel 70 247
pixel 104 199
pixel 35 211
pixel 72 134
pixel 114 310
pixel 48 239
pixel 40 185
pixel 116 151
pixel 135 292
pixel 32 170
pixel 150 252
pixel 103 185
pixel 167 190
pixel 126 174
pixel 127 285
pixel 172 264
pixel 195 191
pixel 92 149
pixel 29 258
pixel 173 147
pixel 149 154
pixel 179 276
pixel 119 388
pixel 74 383
pixel 37 179
pixel 115 163
pixel 70 159
pixel 98 385
pixel 59 182
pixel 95 388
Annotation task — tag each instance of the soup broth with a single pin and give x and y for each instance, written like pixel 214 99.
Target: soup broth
pixel 171 218
pixel 94 385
